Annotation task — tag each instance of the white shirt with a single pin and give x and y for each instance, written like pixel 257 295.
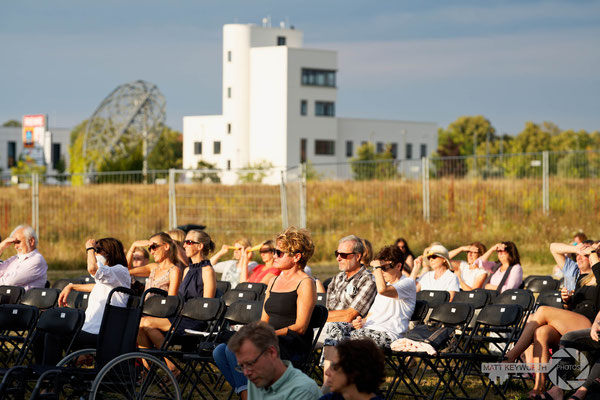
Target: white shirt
pixel 468 275
pixel 393 315
pixel 448 282
pixel 107 278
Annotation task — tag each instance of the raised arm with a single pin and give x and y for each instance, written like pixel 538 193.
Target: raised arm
pixel 92 265
pixel 457 251
pixel 558 251
pixel 414 274
pixel 244 259
pixel 382 287
pixel 134 245
pixel 215 258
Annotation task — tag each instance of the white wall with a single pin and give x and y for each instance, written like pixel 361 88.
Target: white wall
pixel 205 129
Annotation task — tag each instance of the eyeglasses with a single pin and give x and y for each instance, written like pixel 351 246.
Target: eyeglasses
pixel 342 255
pixel 264 251
pixel 279 253
pixel 432 257
pixel 385 267
pixel 248 365
pixel 190 242
pixel 97 250
pixel 154 246
pixel 501 251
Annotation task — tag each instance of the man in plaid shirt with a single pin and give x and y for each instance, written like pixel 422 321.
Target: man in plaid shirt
pixel 352 291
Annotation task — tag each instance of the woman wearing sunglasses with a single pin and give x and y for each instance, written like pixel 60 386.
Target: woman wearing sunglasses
pixel 289 302
pixel 163 272
pixel 231 270
pixel 508 260
pixel 440 277
pixel 262 273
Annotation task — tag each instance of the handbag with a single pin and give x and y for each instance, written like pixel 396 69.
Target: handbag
pixel 435 336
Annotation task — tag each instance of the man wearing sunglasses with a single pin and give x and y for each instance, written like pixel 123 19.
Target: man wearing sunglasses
pixel 351 292
pixel 27 268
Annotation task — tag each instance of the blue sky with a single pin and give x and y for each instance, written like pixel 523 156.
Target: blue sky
pixel 512 61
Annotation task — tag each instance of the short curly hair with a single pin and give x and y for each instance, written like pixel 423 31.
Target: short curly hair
pixel 363 363
pixel 298 241
pixel 391 253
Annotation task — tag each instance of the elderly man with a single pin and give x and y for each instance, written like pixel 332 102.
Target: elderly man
pixel 256 349
pixel 351 292
pixel 28 268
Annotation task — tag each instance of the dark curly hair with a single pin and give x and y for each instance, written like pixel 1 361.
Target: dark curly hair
pixel 363 363
pixel 390 253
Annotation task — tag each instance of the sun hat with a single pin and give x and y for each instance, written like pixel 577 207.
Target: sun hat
pixel 440 251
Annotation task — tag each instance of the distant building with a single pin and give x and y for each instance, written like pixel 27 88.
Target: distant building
pixel 279 105
pixel 12 147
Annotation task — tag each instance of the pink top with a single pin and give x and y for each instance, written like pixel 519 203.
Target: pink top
pixel 28 271
pixel 261 271
pixel 513 281
pixel 162 282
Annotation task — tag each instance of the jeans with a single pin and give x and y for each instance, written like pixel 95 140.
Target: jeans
pixel 226 361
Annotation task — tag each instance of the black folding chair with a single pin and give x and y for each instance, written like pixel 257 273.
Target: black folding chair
pixel 433 298
pixel 322 299
pixel 522 297
pixel 42 298
pixel 11 294
pixel 316 324
pixel 551 299
pixel 234 295
pixel 61 283
pixel 223 286
pixel 477 299
pixel 420 312
pixel 529 278
pixel 258 288
pixel 17 322
pixel 542 285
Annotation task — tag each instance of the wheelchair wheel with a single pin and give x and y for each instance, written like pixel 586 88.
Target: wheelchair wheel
pixel 135 376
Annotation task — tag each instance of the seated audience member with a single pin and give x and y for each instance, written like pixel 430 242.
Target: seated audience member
pixel 367 255
pixel 231 270
pixel 440 277
pixel 163 272
pixel 178 237
pixel 107 264
pixel 27 268
pixel 402 244
pixel 199 280
pixel 508 259
pixel 356 371
pixel 289 301
pixel 547 325
pixel 563 254
pixel 263 272
pixel 266 375
pixel 390 313
pixel 139 257
pixel 470 276
pixel 578 238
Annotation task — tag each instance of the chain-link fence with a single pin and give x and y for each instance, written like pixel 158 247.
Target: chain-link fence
pixel 375 199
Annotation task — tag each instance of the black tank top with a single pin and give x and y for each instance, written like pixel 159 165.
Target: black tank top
pixel 281 307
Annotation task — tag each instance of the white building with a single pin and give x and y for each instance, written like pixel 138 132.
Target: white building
pixel 11 148
pixel 279 105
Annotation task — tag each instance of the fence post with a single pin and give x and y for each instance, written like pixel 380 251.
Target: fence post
pixel 35 205
pixel 545 186
pixel 172 202
pixel 283 193
pixel 425 180
pixel 302 192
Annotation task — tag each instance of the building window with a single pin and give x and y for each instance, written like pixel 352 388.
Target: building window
pixel 363 142
pixel 325 147
pixel 55 155
pixel 228 128
pixel 394 150
pixel 229 92
pixel 216 147
pixel 318 77
pixel 408 152
pixel 303 143
pixel 379 147
pixel 325 108
pixel 349 148
pixel 228 165
pixel 280 40
pixel 423 150
pixel 12 154
pixel 229 56
pixel 303 107
pixel 197 147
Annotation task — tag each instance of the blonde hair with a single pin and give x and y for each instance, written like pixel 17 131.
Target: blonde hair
pixel 244 241
pixel 588 279
pixel 177 235
pixel 296 241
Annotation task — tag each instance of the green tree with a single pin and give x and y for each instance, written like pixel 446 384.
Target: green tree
pixel 27 166
pixel 369 165
pixel 12 123
pixel 311 172
pixel 254 172
pixel 206 173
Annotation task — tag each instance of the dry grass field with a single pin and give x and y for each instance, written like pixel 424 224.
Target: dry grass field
pixel 461 211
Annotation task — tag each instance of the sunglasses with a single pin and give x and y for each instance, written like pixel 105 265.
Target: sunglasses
pixel 190 242
pixel 154 246
pixel 97 250
pixel 342 255
pixel 265 251
pixel 385 267
pixel 280 253
pixel 432 257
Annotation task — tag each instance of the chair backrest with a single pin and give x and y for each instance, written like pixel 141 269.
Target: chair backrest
pixel 234 295
pixel 244 311
pixel 258 288
pixel 160 305
pixel 477 299
pixel 61 283
pixel 550 299
pixel 523 297
pixel 86 279
pixel 541 285
pixel 500 315
pixel 491 293
pixel 62 322
pixel 420 312
pixel 17 323
pixel 529 278
pixel 42 298
pixel 11 294
pixel 322 299
pixel 203 309
pixel 223 286
pixel 125 321
pixel 433 297
pixel 452 314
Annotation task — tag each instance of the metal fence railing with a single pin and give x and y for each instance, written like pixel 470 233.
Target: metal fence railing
pixel 376 199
